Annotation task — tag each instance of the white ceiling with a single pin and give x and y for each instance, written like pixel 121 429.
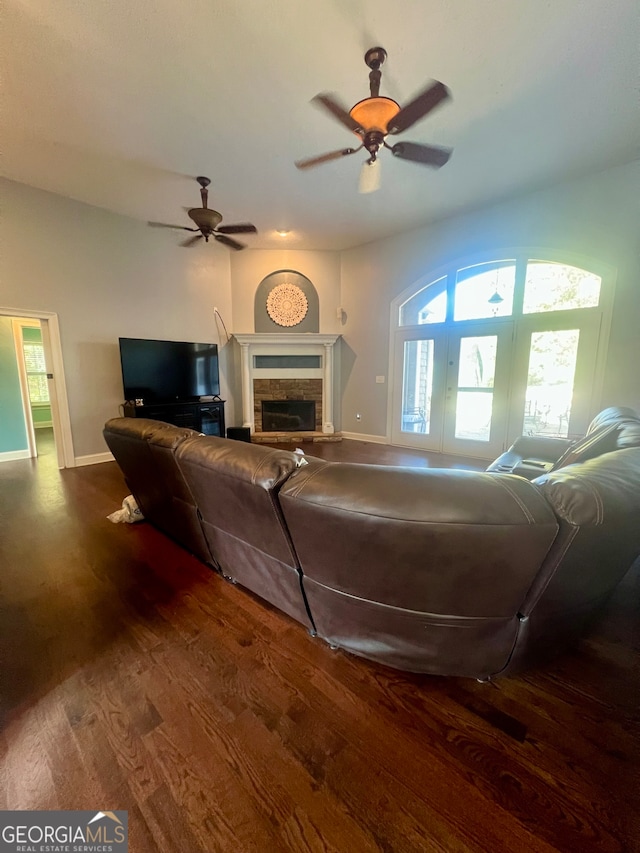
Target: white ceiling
pixel 120 103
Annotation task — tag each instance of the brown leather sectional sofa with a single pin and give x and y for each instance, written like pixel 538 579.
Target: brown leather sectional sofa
pixel 447 572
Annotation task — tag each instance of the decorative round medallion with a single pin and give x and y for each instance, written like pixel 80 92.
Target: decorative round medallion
pixel 287 304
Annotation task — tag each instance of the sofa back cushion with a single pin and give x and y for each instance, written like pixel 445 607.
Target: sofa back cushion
pixel 612 429
pixel 627 421
pixel 144 450
pixel 235 485
pixel 596 491
pixel 452 542
pixel 598 503
pixel 612 415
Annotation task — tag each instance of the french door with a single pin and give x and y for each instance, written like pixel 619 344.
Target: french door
pixel 496 350
pixel 453 389
pixel 554 364
pixel 477 390
pixel 473 390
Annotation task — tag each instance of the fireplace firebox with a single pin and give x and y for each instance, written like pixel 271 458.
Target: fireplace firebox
pixel 288 415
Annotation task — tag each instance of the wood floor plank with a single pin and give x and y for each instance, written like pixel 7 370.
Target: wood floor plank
pixel 135 678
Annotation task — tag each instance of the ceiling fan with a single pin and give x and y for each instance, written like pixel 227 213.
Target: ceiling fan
pixel 208 223
pixel 375 117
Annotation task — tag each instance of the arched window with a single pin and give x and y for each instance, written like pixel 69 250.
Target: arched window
pixel 490 350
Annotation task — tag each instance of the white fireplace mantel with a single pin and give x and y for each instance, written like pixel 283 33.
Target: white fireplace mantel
pixel 293 343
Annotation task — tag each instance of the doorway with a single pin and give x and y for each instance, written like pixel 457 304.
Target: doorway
pixel 40 405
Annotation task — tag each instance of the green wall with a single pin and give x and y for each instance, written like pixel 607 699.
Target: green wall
pixel 13 433
pixel 32 334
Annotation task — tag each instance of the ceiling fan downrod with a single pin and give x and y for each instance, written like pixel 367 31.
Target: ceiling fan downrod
pixel 374 58
pixel 204 192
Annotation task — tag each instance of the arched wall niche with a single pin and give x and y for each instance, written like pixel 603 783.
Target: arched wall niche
pixel 264 323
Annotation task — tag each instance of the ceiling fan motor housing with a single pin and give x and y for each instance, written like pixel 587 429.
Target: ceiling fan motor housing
pixel 374 113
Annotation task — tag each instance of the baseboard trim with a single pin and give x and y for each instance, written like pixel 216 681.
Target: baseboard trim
pixel 12 455
pixel 359 436
pixel 93 459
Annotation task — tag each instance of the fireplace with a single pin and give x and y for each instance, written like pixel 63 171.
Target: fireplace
pixel 288 415
pixel 296 366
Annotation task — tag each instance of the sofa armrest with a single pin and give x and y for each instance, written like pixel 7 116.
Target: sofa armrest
pixel 541 447
pixel 531 455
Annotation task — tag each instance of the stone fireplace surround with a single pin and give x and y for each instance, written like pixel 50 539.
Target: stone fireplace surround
pixel 315 383
pixel 286 389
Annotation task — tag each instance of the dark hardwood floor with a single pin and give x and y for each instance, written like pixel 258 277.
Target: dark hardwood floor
pixel 134 678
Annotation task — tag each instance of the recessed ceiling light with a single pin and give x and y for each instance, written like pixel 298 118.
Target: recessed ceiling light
pixel 283 232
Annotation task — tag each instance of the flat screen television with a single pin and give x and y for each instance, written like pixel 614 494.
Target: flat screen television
pixel 168 371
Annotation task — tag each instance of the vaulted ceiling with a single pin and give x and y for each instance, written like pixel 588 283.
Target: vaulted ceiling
pixel 121 104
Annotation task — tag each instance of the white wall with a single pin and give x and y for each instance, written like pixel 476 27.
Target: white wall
pixel 598 217
pixel 106 276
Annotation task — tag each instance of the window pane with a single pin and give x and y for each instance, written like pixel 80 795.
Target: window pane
pixel 476 373
pixel 558 287
pixel 38 388
pixel 477 362
pixel 473 416
pixel 429 305
pixel 34 358
pixel 417 386
pixel 552 368
pixel 485 290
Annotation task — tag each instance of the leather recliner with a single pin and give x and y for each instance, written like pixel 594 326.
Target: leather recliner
pixel 446 572
pixel 530 456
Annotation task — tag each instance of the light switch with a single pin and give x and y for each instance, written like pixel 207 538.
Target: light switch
pixel 380 380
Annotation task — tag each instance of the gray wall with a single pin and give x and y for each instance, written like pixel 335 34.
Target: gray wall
pixel 106 276
pixel 263 322
pixel 597 216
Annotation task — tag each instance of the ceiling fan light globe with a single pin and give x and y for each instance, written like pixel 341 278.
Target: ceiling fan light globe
pixel 369 177
pixel 374 113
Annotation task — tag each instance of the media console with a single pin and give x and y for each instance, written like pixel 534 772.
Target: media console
pixel 207 418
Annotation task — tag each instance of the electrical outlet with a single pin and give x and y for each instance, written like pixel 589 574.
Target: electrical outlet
pixel 380 380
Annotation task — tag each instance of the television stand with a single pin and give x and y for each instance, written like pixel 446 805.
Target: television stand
pixel 207 418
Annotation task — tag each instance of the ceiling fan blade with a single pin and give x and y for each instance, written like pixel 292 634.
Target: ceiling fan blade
pixel 191 241
pixel 419 107
pixel 430 155
pixel 233 244
pixel 241 228
pixel 325 158
pixel 337 110
pixel 164 225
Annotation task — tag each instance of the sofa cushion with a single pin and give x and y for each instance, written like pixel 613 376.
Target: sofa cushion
pixel 144 451
pixel 589 493
pixel 425 540
pixel 235 485
pixel 595 443
pixel 612 415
